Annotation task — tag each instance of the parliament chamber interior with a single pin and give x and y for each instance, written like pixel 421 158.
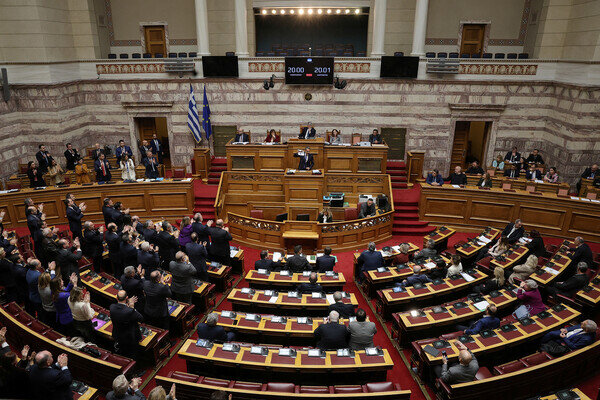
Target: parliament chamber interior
pixel 281 199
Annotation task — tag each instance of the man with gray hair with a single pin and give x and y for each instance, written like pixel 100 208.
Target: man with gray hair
pixel 49 380
pixel 343 310
pixel 569 338
pixel 513 231
pixel 49 246
pixel 308 132
pixel 132 282
pixel 125 390
pixel 463 371
pixel 428 252
pixel 331 335
pixel 418 276
pixel 209 330
pixel 147 258
pixel 572 285
pixel 68 258
pixel 182 283
pixel 369 260
pixel 581 253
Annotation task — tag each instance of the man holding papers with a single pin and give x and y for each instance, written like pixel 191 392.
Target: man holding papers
pixel 307 161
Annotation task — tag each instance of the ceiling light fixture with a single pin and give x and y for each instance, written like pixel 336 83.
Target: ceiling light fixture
pixel 292 11
pixel 273 11
pixel 301 11
pixel 319 11
pixel 264 11
pixel 310 10
pixel 347 11
pixel 338 11
pixel 329 11
pixel 357 11
pixel 282 11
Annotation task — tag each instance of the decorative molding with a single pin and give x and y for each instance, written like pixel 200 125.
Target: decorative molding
pixel 349 67
pixel 476 107
pixel 354 179
pixel 233 219
pixel 152 105
pixel 350 226
pixel 498 69
pixel 266 66
pixel 138 68
pixel 254 178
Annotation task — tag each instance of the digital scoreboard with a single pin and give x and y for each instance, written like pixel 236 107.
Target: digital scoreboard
pixel 309 70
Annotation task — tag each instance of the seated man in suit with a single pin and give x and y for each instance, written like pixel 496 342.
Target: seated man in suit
pixel 582 252
pixel 331 335
pixel 475 169
pixel 102 168
pixel 513 231
pixel 428 252
pixel 439 272
pixel 307 161
pixel 513 156
pixel 151 164
pixel 418 276
pixel 311 286
pixel 49 380
pixel 326 262
pixel 122 149
pixel 361 331
pixel 297 263
pixel 569 338
pixel 535 157
pixel 370 260
pixel 573 284
pixel 512 171
pixel 241 137
pixel 367 209
pixel 344 310
pixel 590 173
pixel 463 371
pixel 457 177
pixel 375 137
pixel 533 174
pixel 308 132
pixel 209 330
pixel 488 321
pixel 265 262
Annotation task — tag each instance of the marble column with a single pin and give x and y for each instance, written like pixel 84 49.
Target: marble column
pixel 202 28
pixel 420 28
pixel 241 28
pixel 379 12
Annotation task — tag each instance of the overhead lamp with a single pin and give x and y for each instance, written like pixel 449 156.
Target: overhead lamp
pixel 273 11
pixel 357 11
pixel 264 11
pixel 319 11
pixel 310 10
pixel 338 11
pixel 329 11
pixel 301 11
pixel 292 11
pixel 282 11
pixel 347 11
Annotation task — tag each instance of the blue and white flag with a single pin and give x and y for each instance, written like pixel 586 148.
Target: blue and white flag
pixel 193 120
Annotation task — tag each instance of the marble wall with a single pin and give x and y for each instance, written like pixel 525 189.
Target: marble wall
pixel 560 119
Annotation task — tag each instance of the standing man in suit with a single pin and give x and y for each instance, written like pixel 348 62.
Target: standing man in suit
pixel 375 137
pixel 326 262
pixel 68 258
pixel 113 243
pixel 331 335
pixel 513 156
pixel 297 263
pixel 128 252
pixel 582 252
pixel 157 148
pixel 35 221
pixel 92 244
pixel 344 310
pixel 572 285
pixel 49 381
pixel 197 253
pixel 241 137
pixel 108 211
pixel 513 231
pixel 307 161
pixel 151 165
pixel 369 259
pixel 157 293
pixel 126 325
pixel 71 155
pixel 200 229
pixel 122 149
pixel 311 286
pixel 308 132
pixel 183 272
pixel 97 151
pixel 74 215
pixel 132 282
pixel 148 258
pixel 219 242
pixel 102 168
pixel 144 149
pixel 44 159
pixel 367 209
pixel 168 244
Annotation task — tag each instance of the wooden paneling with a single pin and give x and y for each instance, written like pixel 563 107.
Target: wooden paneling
pixel 414 163
pixel 482 210
pixel 472 39
pixel 155 40
pixel 201 162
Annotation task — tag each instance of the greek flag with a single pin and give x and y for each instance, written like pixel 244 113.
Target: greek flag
pixel 193 121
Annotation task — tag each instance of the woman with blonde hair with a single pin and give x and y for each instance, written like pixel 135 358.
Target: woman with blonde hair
pixel 158 393
pixel 48 315
pixel 82 313
pixel 56 175
pixel 496 283
pixel 522 271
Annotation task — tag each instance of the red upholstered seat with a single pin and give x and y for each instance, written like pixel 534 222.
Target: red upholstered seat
pixel 116 359
pixel 536 359
pixel 215 382
pixel 348 389
pixel 452 335
pixel 248 386
pixel 314 389
pixel 483 373
pixel 13 185
pixel 281 387
pixel 38 326
pixel 52 335
pixel 13 308
pixel 184 376
pixel 257 214
pixel 375 387
pixel 509 367
pixel 350 214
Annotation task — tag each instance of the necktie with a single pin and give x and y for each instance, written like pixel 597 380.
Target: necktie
pixel 152 161
pixel 103 168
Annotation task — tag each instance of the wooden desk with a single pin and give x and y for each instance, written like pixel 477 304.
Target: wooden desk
pixel 282 304
pixel 277 157
pixel 167 199
pixel 389 301
pixel 299 369
pixel 440 236
pixel 470 249
pixel 387 256
pixel 511 257
pixel 548 213
pixel 408 327
pixel 276 280
pixel 556 267
pixel 578 392
pixel 520 184
pixel 90 394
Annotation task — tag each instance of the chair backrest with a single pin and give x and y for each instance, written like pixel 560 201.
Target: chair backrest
pixel 506 185
pixel 147 55
pixel 350 214
pixel 563 191
pixel 257 214
pixel 523 56
pixel 591 196
pixel 487 55
pixel 530 188
pixel 178 172
pixel 356 138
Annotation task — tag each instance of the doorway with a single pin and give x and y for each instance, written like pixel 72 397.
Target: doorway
pixel 221 135
pixel 395 138
pixel 472 39
pixel 470 143
pixel 147 127
pixel 155 40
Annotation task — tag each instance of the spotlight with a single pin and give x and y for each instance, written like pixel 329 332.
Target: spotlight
pixel 347 11
pixel 310 10
pixel 264 11
pixel 338 11
pixel 357 11
pixel 339 85
pixel 266 85
pixel 282 11
pixel 319 11
pixel 273 11
pixel 329 11
pixel 292 11
pixel 301 11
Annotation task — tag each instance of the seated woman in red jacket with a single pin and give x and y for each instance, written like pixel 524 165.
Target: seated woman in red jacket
pixel 272 137
pixel 530 296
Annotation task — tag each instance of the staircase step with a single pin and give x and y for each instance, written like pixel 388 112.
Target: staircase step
pixel 402 222
pixel 406 216
pixel 204 201
pixel 404 208
pixel 399 185
pixel 213 181
pixel 396 164
pixel 412 231
pixel 218 161
pixel 396 172
pixel 218 167
pixel 398 178
pixel 216 175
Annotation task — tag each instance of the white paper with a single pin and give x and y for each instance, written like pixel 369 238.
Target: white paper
pixel 329 298
pixel 595 201
pixel 456 186
pixel 551 270
pixel 256 350
pixel 484 239
pixel 262 271
pixel 302 320
pixel 314 353
pixel 292 294
pixel 482 305
pixel 273 299
pixel 371 351
pixel 429 265
pixel 539 181
pixel 251 317
pixel 284 273
pixel 396 249
pixel 232 253
pixel 575 198
pixel 246 290
pixel 316 295
pixel 316 171
pixel 276 256
pixel 227 314
pixel 285 352
pixel 585 199
pixel 467 277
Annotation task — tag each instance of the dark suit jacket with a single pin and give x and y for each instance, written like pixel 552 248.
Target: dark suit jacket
pixel 305 164
pixel 588 173
pixel 307 133
pixel 92 243
pixel 516 235
pixel 509 157
pixel 582 253
pixel 202 231
pixel 535 159
pixel 156 299
pixel 267 264
pixel 126 324
pixel 475 171
pixel 156 146
pixel 572 285
pixel 148 260
pixel 345 310
pixel 219 242
pixel 119 151
pixel 71 158
pixel 375 138
pixel 129 255
pixel 34 223
pixel 96 153
pixel 134 286
pixel 99 176
pixel 107 213
pixel 113 243
pixel 325 263
pixel 7 278
pixel 241 137
pixel 74 216
pixel 68 261
pixel 580 340
pixel 212 333
pixel 51 383
pixel 297 263
pixel 483 324
pixel 366 211
pixel 151 168
pixel 331 336
pixel 150 235
pixel 510 173
pixel 168 245
pixel 36 179
pixel 309 288
pixel 370 260
pixel 43 162
pixel 536 246
pixel 530 175
pixel 197 254
pixel 143 150
pixel 458 179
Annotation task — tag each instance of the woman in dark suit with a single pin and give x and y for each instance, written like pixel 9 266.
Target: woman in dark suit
pixel 35 175
pixel 536 246
pixel 485 181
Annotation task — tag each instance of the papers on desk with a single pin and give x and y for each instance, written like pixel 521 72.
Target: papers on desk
pixel 240 142
pixel 330 299
pixel 396 249
pixel 314 352
pixel 429 265
pixel 285 352
pixel 186 180
pixel 595 201
pixel 268 143
pixel 456 186
pixel 302 320
pixel 316 171
pixel 539 181
pixel 481 305
pixel 273 299
pixel 232 253
pixel 247 290
pixel 256 350
pixel 467 277
pixel 483 239
pixel 311 259
pixel 276 256
pixel 262 271
pixel 317 295
pixel 550 270
pixel 584 199
pixel 575 198
pixel 284 272
pixel 524 240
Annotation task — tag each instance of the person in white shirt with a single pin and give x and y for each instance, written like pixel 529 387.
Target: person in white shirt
pixel 455 267
pixel 82 313
pixel 127 168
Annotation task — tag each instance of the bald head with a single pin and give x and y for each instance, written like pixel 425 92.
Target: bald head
pixel 43 359
pixel 155 276
pixel 465 357
pixel 121 296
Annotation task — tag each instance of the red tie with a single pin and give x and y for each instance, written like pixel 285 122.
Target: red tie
pixel 103 169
